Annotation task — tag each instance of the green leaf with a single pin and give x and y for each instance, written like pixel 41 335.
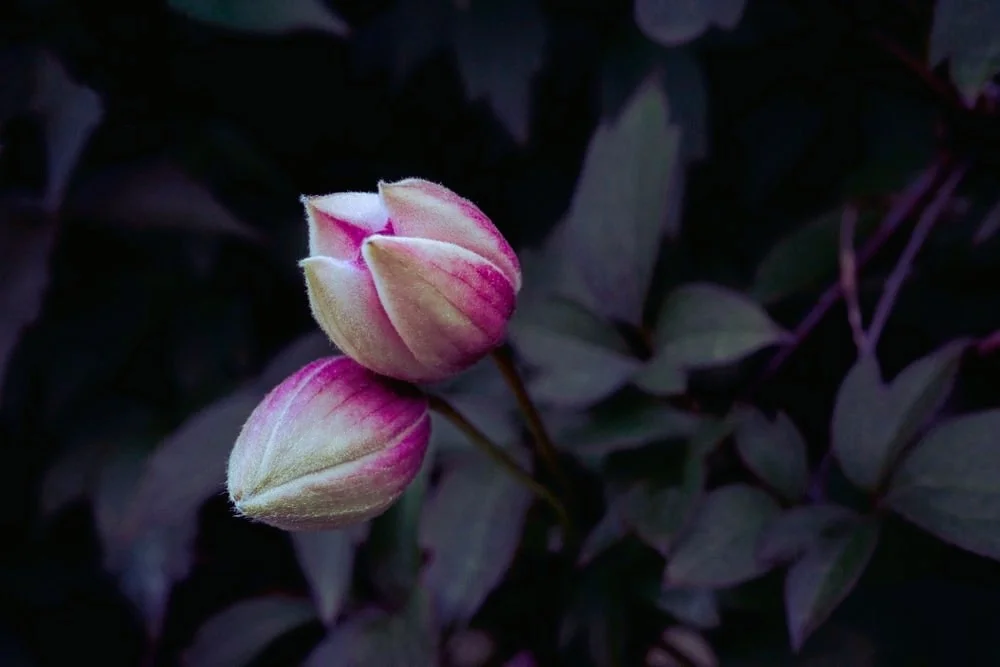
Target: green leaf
pixel 657 514
pixel 408 638
pixel 327 561
pixel 798 529
pixel 235 636
pixel 949 484
pixel 774 451
pixel 500 45
pixel 821 579
pixel 719 550
pixel 698 607
pixel 611 238
pixel 471 528
pixel 671 23
pixel 703 325
pixel 263 16
pixel 964 31
pixel 873 421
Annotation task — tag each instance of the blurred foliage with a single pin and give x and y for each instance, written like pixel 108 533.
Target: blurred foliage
pixel 760 315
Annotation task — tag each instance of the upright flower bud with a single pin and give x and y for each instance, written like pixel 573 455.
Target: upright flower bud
pixel 413 281
pixel 333 444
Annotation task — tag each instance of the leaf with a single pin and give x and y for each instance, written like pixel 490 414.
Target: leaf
pixel 703 325
pixel 499 45
pixel 471 526
pixel 696 607
pixel 774 451
pixel 720 548
pixel 608 531
pixel 577 357
pixel 70 112
pixel 964 31
pixel 157 195
pixel 375 639
pixel 392 42
pixel 949 484
pixel 658 513
pixel 990 224
pixel 799 529
pixel 25 247
pixel 611 237
pixel 670 23
pixel 872 421
pixel 236 635
pixel 327 561
pixel 72 476
pixel 263 16
pixel 821 579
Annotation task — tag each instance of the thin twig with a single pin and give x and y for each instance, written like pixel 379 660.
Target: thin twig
pixel 921 231
pixel 900 211
pixel 849 276
pixel 505 461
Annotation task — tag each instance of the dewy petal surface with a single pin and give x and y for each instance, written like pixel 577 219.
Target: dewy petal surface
pixel 423 209
pixel 448 304
pixel 338 223
pixel 346 305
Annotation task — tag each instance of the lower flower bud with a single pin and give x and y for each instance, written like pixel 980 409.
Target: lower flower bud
pixel 334 444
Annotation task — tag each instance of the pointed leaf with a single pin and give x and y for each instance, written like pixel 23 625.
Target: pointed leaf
pixel 471 528
pixel 671 23
pixel 872 421
pixel 774 451
pixel 703 325
pixel 609 530
pixel 964 31
pixel 236 635
pixel 698 607
pixel 657 514
pixel 263 16
pixel 949 484
pixel 618 217
pixel 327 561
pixel 799 529
pixel 720 548
pixel 817 583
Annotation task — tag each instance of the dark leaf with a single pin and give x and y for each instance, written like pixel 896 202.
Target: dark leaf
pixel 720 549
pixel 697 607
pixel 657 513
pixel 821 579
pixel 670 23
pixel 799 529
pixel 235 636
pixel 263 16
pixel 774 451
pixel 327 561
pixel 949 484
pixel 964 31
pixel 688 643
pixel 471 528
pixel 990 224
pixel 872 421
pixel 608 531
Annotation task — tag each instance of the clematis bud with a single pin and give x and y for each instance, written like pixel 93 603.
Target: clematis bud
pixel 333 444
pixel 412 281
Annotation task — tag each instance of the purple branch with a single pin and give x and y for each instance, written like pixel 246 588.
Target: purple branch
pixel 849 276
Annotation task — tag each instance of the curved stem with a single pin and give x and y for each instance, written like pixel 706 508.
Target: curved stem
pixel 505 461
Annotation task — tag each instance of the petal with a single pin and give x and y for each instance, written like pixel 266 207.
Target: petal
pixel 346 306
pixel 338 223
pixel 427 210
pixel 449 305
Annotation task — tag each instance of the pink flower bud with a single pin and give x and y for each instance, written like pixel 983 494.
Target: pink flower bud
pixel 413 281
pixel 333 444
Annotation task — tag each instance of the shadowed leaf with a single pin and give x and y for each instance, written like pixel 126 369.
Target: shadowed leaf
pixel 263 16
pixel 964 31
pixel 673 22
pixel 774 451
pixel 799 529
pixel 327 561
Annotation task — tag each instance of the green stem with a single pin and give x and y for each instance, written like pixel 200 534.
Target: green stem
pixel 505 461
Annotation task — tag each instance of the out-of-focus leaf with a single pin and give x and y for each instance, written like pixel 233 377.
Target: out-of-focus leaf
pixel 158 195
pixel 327 561
pixel 658 513
pixel 964 31
pixel 672 22
pixel 824 576
pixel 697 607
pixel 990 224
pixel 949 484
pixel 408 638
pixel 578 358
pixel 598 617
pixel 799 529
pixel 702 325
pixel 481 396
pixel 70 112
pixel 774 451
pixel 611 238
pixel 609 530
pixel 499 45
pixel 236 635
pixel 522 659
pixel 471 528
pixel 264 16
pixel 873 420
pixel 720 548
pixel 25 247
pixel 688 643
pixel 72 476
pixel 469 648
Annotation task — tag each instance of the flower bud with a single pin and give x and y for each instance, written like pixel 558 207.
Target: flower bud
pixel 413 282
pixel 333 444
